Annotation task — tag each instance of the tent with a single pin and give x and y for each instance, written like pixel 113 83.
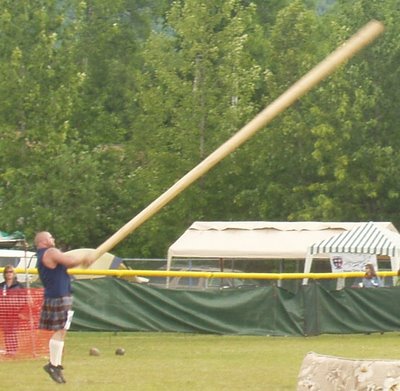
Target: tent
pixel 367 238
pixel 256 240
pixel 9 240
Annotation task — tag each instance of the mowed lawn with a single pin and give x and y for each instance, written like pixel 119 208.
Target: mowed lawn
pixel 176 362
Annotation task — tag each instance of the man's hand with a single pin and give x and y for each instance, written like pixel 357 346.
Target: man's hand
pixel 88 260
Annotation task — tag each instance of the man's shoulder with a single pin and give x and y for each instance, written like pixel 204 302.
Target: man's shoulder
pixel 51 257
pixel 52 252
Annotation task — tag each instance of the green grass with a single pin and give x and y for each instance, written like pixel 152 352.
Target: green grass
pixel 176 362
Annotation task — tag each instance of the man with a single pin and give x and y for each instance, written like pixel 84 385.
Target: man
pixel 56 311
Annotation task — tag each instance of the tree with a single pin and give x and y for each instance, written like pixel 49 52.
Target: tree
pixel 280 155
pixel 66 110
pixel 106 104
pixel 356 147
pixel 333 155
pixel 196 90
pixel 109 53
pixel 39 84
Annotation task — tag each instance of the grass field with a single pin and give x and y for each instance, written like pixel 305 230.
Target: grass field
pixel 176 362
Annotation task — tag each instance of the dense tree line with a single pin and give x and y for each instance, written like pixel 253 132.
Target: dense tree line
pixel 106 104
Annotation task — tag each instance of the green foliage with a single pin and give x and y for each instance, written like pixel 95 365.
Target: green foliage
pixel 355 147
pixel 193 97
pixel 106 104
pixel 39 83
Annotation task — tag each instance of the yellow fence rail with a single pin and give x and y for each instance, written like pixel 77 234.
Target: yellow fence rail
pixel 173 273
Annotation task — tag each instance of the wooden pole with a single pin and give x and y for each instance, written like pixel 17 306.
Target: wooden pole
pixel 363 37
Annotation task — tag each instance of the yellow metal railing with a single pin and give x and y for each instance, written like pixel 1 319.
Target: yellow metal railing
pixel 174 273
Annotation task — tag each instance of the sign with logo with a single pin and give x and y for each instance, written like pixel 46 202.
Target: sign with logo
pixel 350 262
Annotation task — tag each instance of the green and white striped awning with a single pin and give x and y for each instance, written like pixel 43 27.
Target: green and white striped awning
pixel 367 238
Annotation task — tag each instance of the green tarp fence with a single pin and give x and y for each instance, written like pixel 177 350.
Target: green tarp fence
pixel 112 304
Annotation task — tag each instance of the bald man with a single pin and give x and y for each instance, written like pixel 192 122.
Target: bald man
pixel 56 314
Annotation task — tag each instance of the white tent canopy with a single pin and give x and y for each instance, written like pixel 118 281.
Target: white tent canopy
pixel 256 240
pixel 367 238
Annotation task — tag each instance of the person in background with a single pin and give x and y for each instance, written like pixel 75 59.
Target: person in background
pixel 10 280
pixel 10 305
pixel 371 279
pixel 56 313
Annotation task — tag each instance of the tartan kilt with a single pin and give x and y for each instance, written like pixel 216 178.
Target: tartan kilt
pixel 54 312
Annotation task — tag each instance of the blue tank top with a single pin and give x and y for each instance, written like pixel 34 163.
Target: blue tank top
pixel 56 282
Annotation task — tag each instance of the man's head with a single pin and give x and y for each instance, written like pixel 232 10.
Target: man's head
pixel 44 240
